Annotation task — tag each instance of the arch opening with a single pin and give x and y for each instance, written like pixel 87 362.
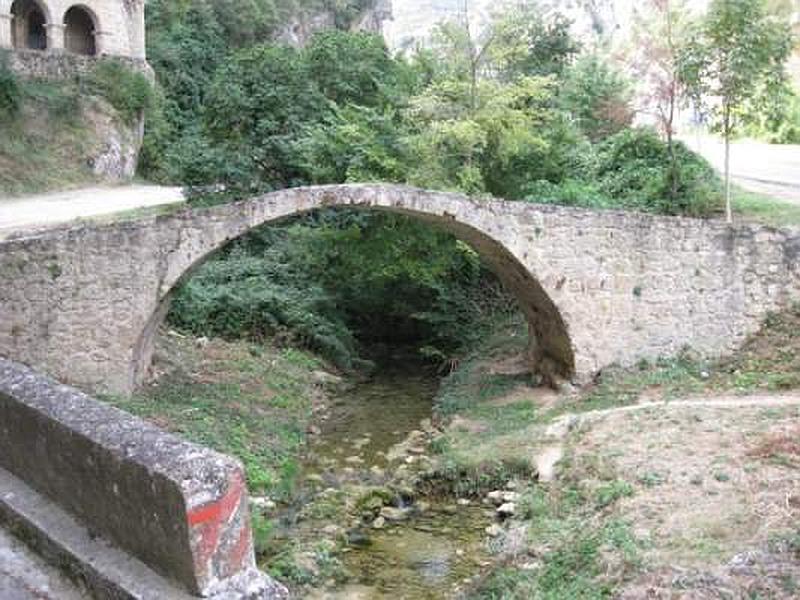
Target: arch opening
pixel 80 28
pixel 549 351
pixel 28 25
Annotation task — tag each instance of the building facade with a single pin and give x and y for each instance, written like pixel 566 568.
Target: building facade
pixel 85 27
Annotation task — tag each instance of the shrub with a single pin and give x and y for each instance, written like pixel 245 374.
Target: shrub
pixel 10 93
pixel 128 91
pixel 598 97
pixel 569 193
pixel 634 170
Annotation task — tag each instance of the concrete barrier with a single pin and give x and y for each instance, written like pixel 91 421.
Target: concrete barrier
pixel 179 508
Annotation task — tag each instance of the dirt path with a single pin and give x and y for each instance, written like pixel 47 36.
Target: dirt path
pixel 766 400
pixel 21 215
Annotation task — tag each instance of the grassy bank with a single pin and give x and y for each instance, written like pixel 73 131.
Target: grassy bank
pixel 252 401
pixel 760 208
pixel 640 499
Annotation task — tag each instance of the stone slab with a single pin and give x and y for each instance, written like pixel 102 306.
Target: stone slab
pixel 179 508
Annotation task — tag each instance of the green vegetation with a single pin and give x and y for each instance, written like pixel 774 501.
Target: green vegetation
pixel 126 90
pixel 251 401
pixel 399 283
pixel 590 552
pixel 513 112
pixel 764 209
pixel 10 95
pixel 735 58
pixel 42 138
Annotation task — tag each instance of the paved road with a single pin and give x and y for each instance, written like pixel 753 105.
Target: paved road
pixel 773 170
pixel 25 576
pixel 37 212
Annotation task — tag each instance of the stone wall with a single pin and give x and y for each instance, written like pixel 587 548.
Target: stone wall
pixel 598 287
pixel 179 508
pixel 54 66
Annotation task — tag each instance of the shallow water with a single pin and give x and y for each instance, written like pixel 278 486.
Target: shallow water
pixel 427 556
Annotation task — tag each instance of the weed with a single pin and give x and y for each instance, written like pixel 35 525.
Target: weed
pixel 609 493
pixel 652 479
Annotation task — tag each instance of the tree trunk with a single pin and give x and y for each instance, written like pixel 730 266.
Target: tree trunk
pixel 727 133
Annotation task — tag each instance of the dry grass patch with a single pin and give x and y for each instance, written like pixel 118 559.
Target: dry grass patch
pixel 707 492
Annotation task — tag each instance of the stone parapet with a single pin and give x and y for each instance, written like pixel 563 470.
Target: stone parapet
pixel 179 508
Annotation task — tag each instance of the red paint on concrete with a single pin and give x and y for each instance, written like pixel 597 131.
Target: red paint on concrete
pixel 208 522
pixel 219 510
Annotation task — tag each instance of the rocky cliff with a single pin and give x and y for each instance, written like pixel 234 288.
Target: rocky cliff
pixel 301 26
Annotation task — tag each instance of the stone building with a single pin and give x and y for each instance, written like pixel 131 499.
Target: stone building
pixel 78 27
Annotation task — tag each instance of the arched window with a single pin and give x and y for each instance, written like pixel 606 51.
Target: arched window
pixel 28 22
pixel 79 29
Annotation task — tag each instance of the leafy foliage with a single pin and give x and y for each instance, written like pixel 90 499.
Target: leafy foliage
pixel 597 96
pixel 127 90
pixel 736 58
pixel 258 107
pixel 10 93
pixel 399 282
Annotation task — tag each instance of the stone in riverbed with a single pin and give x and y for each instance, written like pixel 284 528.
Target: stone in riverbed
pixel 390 513
pixel 494 530
pixel 379 523
pixel 495 497
pixel 356 537
pixel 506 510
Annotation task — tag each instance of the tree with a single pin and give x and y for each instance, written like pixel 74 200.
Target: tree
pixel 658 31
pixel 736 52
pixel 597 96
pixel 259 106
pixel 351 67
pixel 530 40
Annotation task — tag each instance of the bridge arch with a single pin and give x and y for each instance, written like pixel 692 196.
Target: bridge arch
pixel 550 352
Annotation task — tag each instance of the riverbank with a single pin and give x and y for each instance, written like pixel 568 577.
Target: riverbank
pixel 673 479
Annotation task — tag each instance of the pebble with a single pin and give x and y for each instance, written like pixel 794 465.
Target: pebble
pixel 495 497
pixel 494 530
pixel 263 503
pixel 463 502
pixel 390 513
pixel 379 523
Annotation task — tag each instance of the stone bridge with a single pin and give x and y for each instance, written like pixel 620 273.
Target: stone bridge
pixel 598 288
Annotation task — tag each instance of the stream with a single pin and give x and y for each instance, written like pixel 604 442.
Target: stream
pixel 371 437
